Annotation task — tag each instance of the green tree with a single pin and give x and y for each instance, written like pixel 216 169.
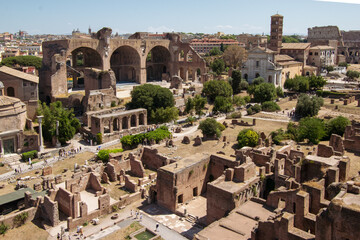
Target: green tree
pixel 215 88
pixel 164 115
pixel 312 129
pixel 298 84
pixel 308 106
pixel 68 124
pixel 151 97
pixel 199 104
pixel 279 92
pixel 191 120
pixel 243 84
pixel 222 104
pixel 247 137
pixel 189 105
pixel 218 66
pixel 210 127
pixel 264 92
pixel 238 101
pixel 236 79
pixel 337 126
pixel 316 82
pixel 23 61
pixel 222 47
pixel 343 64
pixel 215 51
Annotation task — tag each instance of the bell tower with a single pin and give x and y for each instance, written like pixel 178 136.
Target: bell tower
pixel 276 31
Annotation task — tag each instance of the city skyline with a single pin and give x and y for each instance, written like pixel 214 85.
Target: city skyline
pixel 231 17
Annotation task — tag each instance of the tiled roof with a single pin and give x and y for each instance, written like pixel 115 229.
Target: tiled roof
pixel 19 74
pixel 295 45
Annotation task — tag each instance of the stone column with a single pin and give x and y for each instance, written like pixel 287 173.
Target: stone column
pixel 120 123
pixel 41 147
pixel 57 135
pixel 137 120
pixel 1 148
pixel 129 122
pixel 111 125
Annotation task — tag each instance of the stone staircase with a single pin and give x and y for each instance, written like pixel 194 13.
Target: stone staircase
pixel 191 219
pixel 12 159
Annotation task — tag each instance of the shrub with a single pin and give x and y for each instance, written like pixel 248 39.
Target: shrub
pixel 210 127
pixel 249 111
pixel 103 155
pixel 191 120
pixel 279 135
pixel 270 106
pixel 85 224
pixel 235 115
pixel 157 135
pixel 31 154
pixel 256 108
pixel 352 74
pixel 3 228
pixel 343 64
pixel 114 208
pixel 20 219
pixel 247 99
pixel 247 137
pixel 321 93
pixel 99 138
pixel 113 103
pixel 238 101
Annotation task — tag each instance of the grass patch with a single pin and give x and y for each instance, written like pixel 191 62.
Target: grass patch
pixel 124 232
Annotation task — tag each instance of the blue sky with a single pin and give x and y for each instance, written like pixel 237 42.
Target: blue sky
pixel 209 16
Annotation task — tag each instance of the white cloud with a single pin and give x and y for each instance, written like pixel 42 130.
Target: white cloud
pixel 159 29
pixel 224 26
pixel 341 1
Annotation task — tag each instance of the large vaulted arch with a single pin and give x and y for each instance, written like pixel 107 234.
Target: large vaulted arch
pixel 125 62
pixel 158 63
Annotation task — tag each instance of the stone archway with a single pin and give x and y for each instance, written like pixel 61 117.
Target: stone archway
pixel 158 59
pixel 116 124
pixel 80 58
pixel 125 123
pixel 133 121
pixel 141 119
pixel 10 91
pixel 125 62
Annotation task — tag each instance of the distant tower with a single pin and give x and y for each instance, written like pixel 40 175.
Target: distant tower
pixel 276 32
pixel 89 30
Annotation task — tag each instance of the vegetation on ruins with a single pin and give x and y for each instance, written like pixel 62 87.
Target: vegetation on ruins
pixel 279 135
pixel 247 137
pixel 234 56
pixel 215 88
pixel 103 154
pixel 3 228
pixel 270 106
pixel 279 92
pixel 304 83
pixel 20 219
pixel 307 106
pixel 68 124
pixel 218 66
pixel 210 127
pixel 99 138
pixel 223 104
pixel 343 64
pixel 132 141
pixel 321 93
pixel 22 61
pixel 190 120
pixel 152 97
